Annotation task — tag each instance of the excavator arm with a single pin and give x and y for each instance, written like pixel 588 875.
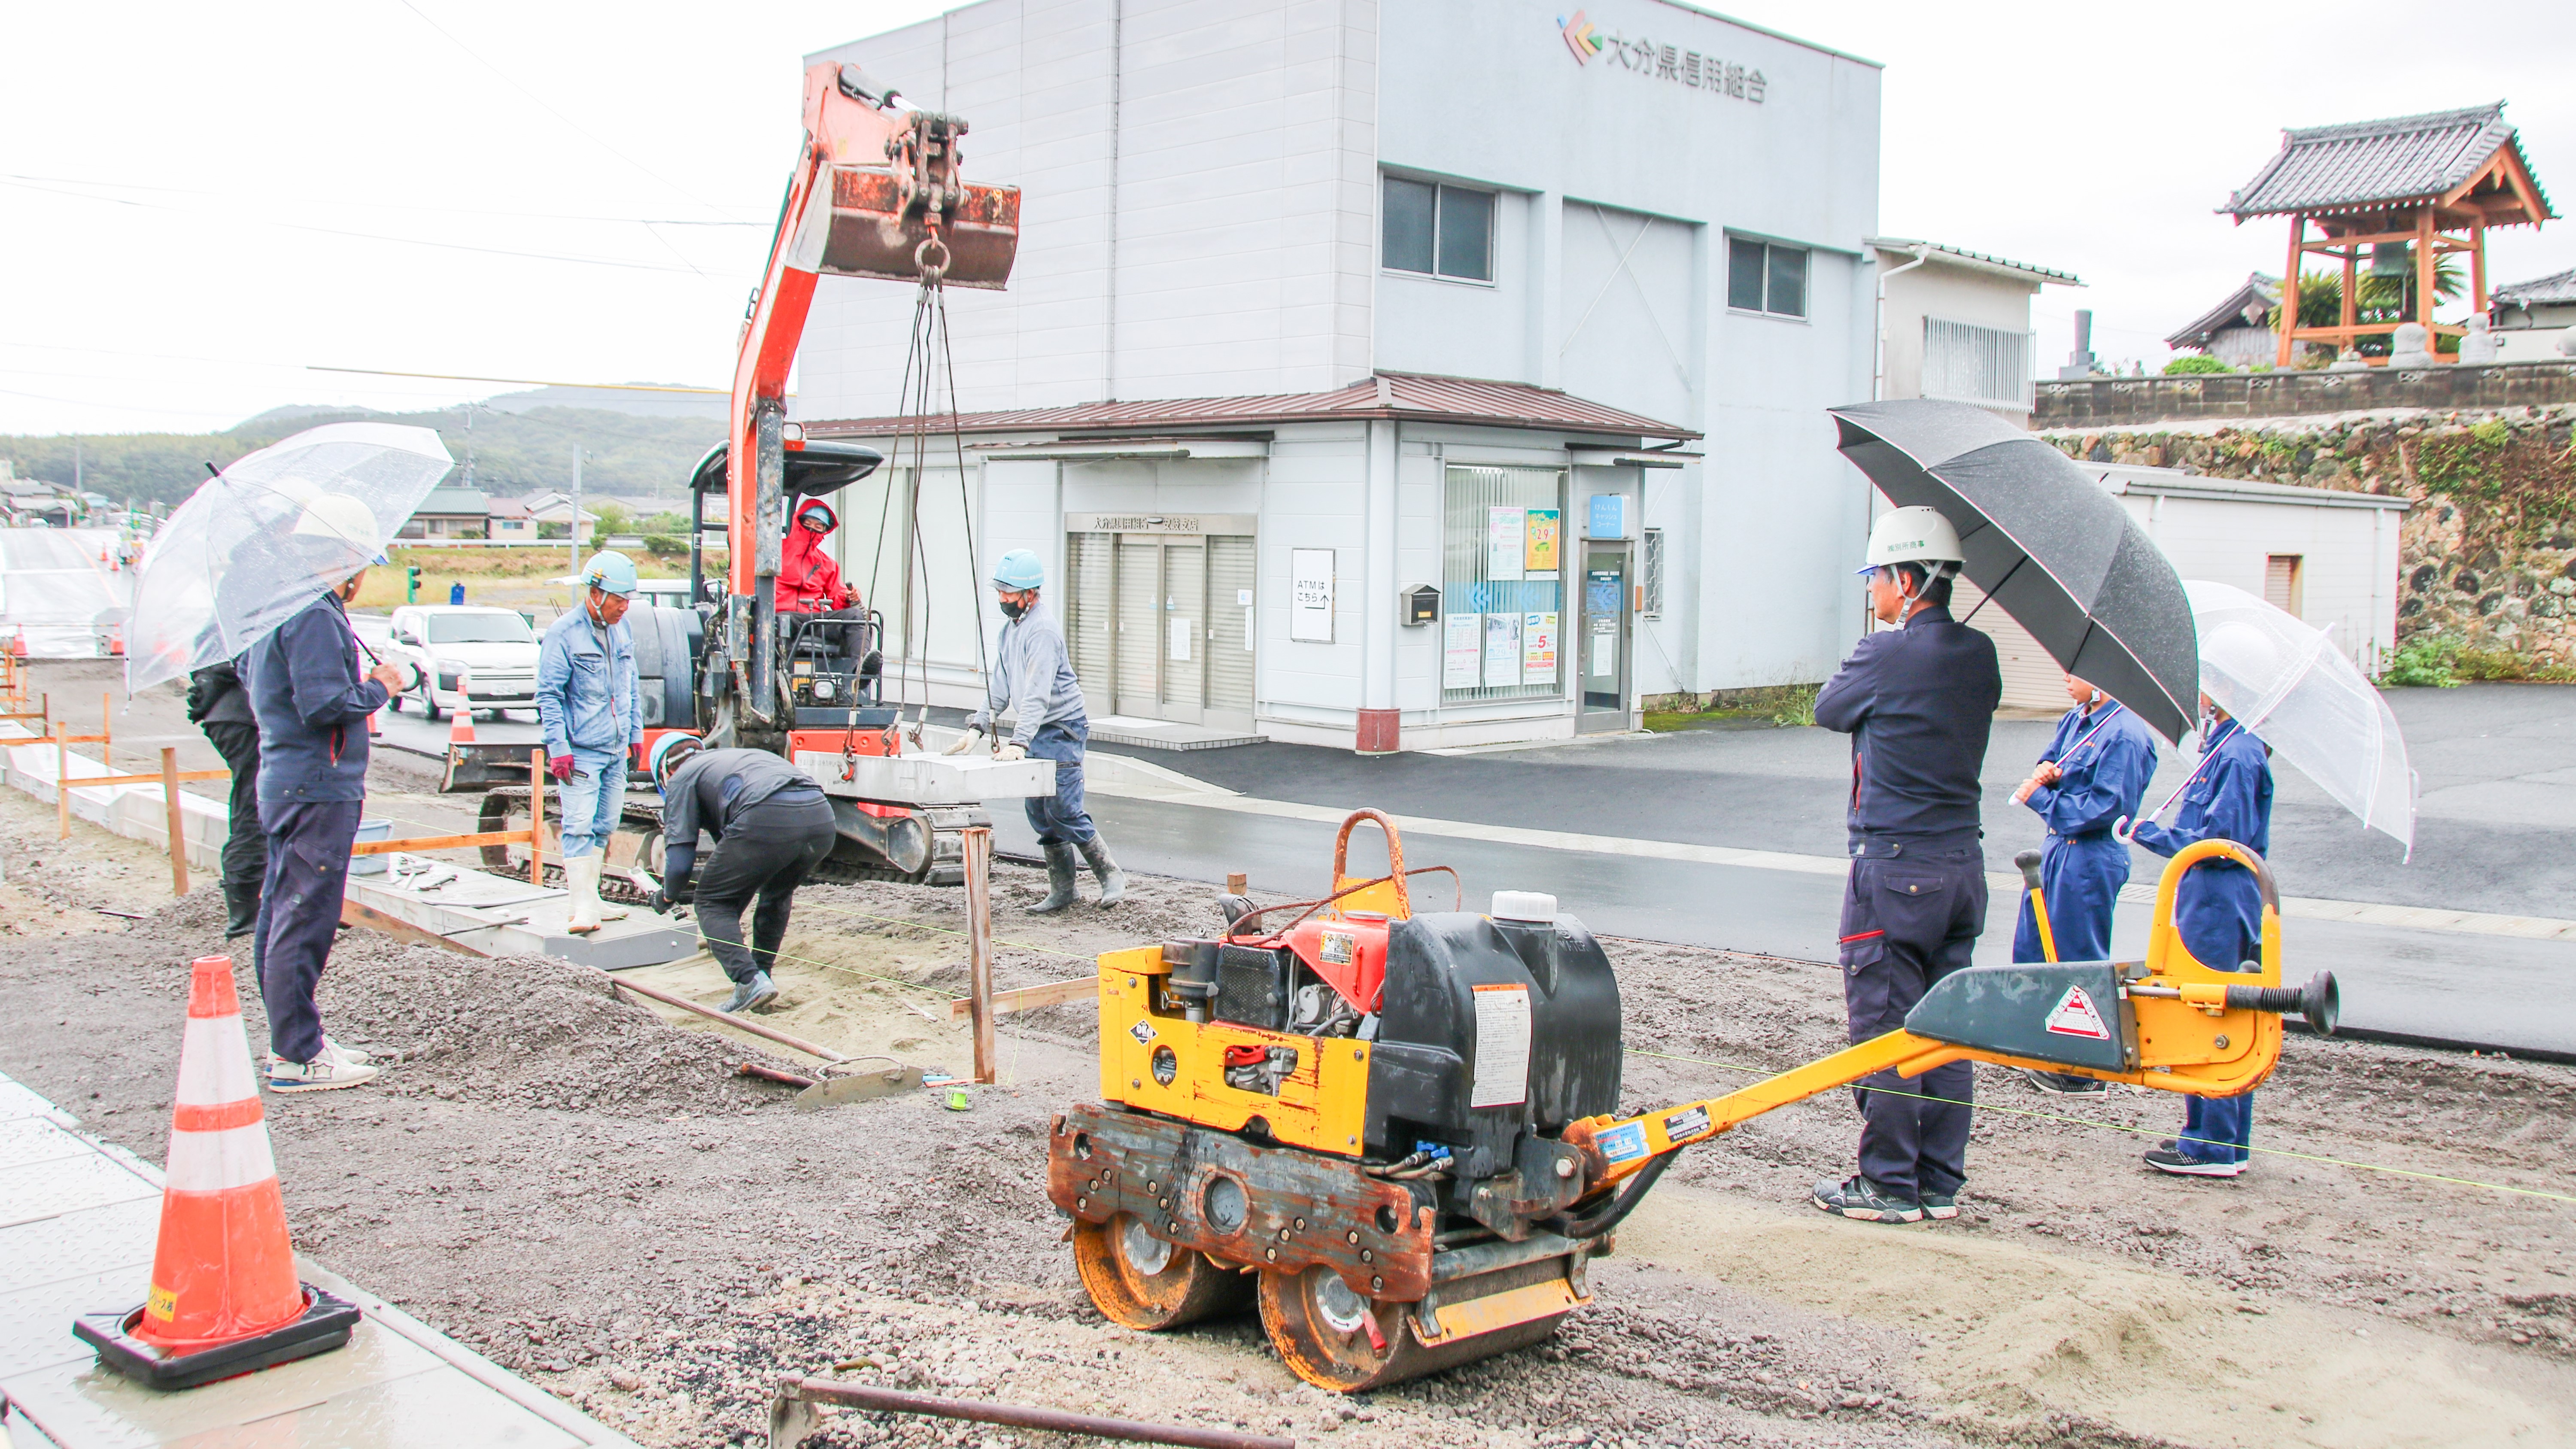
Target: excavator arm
pixel 877 192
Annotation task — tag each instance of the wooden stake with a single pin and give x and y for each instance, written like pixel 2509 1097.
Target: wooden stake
pixel 178 830
pixel 62 788
pixel 537 814
pixel 979 944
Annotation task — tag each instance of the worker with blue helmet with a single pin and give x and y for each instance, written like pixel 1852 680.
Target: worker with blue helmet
pixel 1033 682
pixel 772 827
pixel 587 699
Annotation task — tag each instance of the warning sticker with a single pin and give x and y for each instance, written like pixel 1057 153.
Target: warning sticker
pixel 1143 1031
pixel 1502 1047
pixel 1686 1126
pixel 1337 948
pixel 1623 1143
pixel 2075 1016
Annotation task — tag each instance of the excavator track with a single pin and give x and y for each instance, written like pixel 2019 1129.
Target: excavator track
pixel 640 820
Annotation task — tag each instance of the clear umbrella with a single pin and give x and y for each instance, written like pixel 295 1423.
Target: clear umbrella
pixel 2290 685
pixel 265 537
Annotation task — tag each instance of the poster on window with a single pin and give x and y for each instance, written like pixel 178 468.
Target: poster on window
pixel 1506 542
pixel 1539 542
pixel 1502 650
pixel 1538 648
pixel 1462 646
pixel 1310 595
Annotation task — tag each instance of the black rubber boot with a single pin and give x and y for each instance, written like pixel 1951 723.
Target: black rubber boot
pixel 241 910
pixel 1062 865
pixel 1113 881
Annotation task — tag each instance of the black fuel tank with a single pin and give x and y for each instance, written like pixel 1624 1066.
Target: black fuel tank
pixel 1488 1028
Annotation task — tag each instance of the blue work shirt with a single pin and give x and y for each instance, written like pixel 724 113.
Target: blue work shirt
pixel 2107 756
pixel 1919 703
pixel 2218 908
pixel 1032 678
pixel 586 690
pixel 312 705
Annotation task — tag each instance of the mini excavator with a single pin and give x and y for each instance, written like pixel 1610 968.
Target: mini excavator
pixel 1398 1131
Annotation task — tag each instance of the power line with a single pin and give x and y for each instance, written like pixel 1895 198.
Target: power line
pixel 378 205
pixel 530 381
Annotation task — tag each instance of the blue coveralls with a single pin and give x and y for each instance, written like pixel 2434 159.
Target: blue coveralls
pixel 312 706
pixel 2218 908
pixel 586 707
pixel 1033 678
pixel 1919 703
pixel 2107 756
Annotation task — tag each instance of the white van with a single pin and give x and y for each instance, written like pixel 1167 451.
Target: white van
pixel 468 658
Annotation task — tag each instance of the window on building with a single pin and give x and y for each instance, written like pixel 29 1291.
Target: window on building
pixel 1761 277
pixel 1963 362
pixel 1501 584
pixel 2281 582
pixel 1445 231
pixel 1650 572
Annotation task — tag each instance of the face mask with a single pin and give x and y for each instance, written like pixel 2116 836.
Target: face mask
pixel 1013 609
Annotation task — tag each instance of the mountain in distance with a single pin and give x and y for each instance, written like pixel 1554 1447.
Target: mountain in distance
pixel 616 400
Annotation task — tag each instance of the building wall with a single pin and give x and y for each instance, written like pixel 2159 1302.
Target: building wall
pixel 1952 293
pixel 2349 558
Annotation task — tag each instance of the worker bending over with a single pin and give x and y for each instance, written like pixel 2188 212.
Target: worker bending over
pixel 772 827
pixel 2218 906
pixel 2092 775
pixel 1919 702
pixel 586 706
pixel 1033 679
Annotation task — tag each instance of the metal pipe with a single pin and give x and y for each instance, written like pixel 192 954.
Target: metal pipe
pixel 1493 1257
pixel 771 1074
pixel 1024 1416
pixel 729 1019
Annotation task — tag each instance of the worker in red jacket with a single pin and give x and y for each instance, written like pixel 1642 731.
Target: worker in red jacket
pixel 808 581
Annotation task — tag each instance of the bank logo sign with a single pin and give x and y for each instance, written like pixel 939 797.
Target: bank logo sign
pixel 1650 60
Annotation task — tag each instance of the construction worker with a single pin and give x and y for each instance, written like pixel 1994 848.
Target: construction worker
pixel 808 581
pixel 586 705
pixel 219 705
pixel 772 827
pixel 2093 774
pixel 1033 679
pixel 2218 906
pixel 312 706
pixel 1919 702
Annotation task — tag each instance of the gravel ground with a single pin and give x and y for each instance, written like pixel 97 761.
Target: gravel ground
pixel 586 1193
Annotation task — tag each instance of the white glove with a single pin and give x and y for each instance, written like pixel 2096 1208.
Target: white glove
pixel 1005 754
pixel 964 742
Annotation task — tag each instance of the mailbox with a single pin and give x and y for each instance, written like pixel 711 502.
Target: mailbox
pixel 1421 605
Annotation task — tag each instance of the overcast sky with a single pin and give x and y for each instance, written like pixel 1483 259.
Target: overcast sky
pixel 199 203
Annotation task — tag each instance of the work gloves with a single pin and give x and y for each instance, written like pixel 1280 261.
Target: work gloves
pixel 560 767
pixel 1010 752
pixel 679 890
pixel 964 742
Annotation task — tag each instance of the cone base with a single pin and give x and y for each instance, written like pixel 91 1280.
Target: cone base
pixel 325 1324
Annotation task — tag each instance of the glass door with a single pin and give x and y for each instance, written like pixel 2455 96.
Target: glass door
pixel 1602 682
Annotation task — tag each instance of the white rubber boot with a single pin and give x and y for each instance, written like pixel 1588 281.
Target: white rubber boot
pixel 581 881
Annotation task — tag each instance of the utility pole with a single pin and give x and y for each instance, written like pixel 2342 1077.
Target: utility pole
pixel 576 508
pixel 76 463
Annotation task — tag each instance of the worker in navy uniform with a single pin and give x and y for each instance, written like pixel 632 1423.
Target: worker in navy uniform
pixel 2218 906
pixel 1919 702
pixel 2092 775
pixel 772 826
pixel 1033 679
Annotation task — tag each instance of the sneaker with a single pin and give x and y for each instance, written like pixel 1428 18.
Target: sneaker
pixel 322 1074
pixel 1860 1199
pixel 1940 1207
pixel 2064 1084
pixel 2167 1159
pixel 751 995
pixel 345 1055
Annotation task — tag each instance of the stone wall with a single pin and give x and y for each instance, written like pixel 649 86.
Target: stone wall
pixel 2489 549
pixel 2104 402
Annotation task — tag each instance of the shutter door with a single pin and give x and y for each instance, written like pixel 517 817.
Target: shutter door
pixel 2281 582
pixel 2032 680
pixel 1091 618
pixel 1184 630
pixel 1230 631
pixel 1140 569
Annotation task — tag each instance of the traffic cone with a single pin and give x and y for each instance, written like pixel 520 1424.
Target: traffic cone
pixel 224 1297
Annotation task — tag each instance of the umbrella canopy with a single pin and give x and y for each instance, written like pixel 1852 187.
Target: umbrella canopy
pixel 267 536
pixel 2290 686
pixel 2046 543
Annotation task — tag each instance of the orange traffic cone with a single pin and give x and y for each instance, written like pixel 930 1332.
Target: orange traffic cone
pixel 224 1297
pixel 460 722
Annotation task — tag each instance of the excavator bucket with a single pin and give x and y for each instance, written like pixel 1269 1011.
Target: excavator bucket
pixel 879 231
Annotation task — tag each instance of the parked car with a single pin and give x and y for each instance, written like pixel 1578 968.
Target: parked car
pixel 483 660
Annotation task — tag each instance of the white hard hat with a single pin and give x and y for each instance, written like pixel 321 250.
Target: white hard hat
pixel 1916 536
pixel 342 519
pixel 2241 660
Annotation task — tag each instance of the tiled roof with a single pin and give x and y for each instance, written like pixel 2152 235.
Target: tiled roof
pixel 460 501
pixel 2259 287
pixel 2040 273
pixel 2554 290
pixel 1386 395
pixel 2363 164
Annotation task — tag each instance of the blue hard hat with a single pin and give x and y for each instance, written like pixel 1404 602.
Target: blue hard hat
pixel 1019 569
pixel 668 753
pixel 610 572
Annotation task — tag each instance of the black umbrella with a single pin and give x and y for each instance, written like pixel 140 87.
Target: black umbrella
pixel 2046 543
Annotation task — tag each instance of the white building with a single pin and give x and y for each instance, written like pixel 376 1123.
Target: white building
pixel 1955 324
pixel 1266 245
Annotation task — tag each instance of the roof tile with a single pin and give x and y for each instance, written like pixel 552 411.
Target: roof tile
pixel 2365 163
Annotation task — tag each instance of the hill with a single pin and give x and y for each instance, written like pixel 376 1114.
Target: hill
pixel 627 453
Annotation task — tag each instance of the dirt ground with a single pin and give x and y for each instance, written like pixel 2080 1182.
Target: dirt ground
pixel 587 1193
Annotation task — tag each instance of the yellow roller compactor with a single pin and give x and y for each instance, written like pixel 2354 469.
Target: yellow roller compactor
pixel 1397 1130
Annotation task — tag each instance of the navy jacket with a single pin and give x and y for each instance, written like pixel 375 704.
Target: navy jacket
pixel 2107 759
pixel 2218 909
pixel 1919 703
pixel 312 705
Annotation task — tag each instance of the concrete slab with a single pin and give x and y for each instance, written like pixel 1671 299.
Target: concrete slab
pixel 82 1240
pixel 503 917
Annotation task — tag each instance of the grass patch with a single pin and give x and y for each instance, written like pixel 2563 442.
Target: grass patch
pixel 1784 705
